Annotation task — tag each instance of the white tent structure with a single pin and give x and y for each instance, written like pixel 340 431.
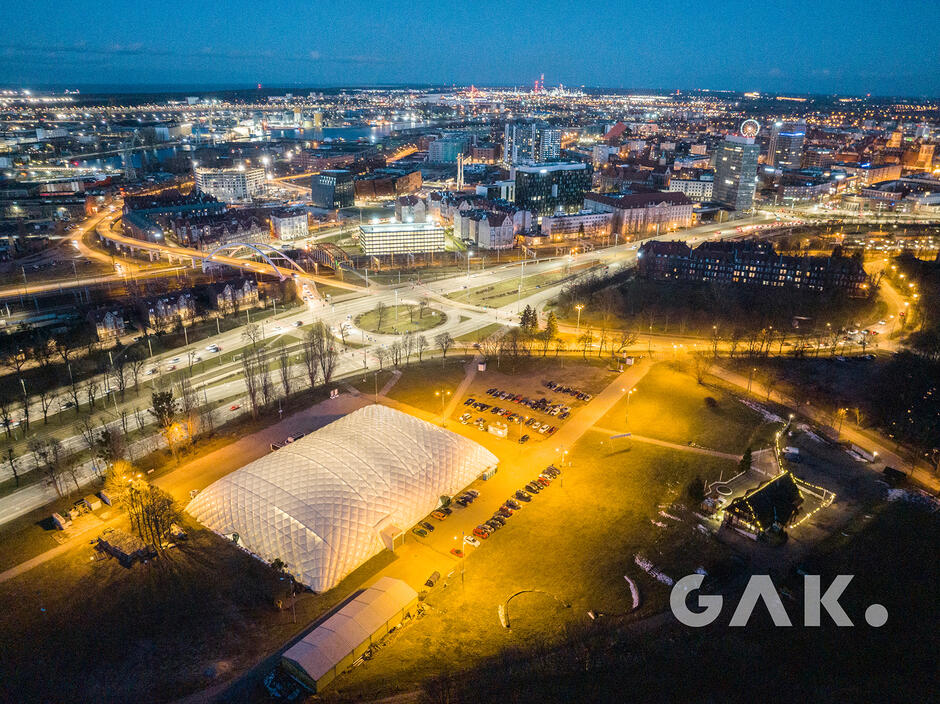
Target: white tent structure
pixel 331 500
pixel 345 634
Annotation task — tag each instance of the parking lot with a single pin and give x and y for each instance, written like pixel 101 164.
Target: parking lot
pixel 539 414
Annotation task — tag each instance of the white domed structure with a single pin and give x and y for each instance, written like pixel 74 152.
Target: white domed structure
pixel 331 500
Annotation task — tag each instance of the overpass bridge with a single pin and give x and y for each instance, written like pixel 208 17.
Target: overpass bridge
pixel 273 260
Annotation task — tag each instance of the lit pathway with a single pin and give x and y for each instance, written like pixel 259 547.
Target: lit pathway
pixel 671 445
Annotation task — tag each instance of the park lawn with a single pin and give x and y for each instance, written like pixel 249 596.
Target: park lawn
pixel 669 405
pixel 479 334
pixel 575 543
pixel 418 382
pixel 398 320
pixel 496 295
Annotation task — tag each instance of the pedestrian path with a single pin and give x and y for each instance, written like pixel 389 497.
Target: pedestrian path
pixel 671 445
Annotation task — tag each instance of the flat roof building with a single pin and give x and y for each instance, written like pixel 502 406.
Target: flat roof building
pixel 401 238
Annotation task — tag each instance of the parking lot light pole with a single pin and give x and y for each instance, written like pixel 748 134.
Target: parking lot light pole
pixel 443 393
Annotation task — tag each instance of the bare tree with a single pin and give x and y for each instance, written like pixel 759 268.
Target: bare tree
pixel 701 364
pixel 324 349
pixel 136 365
pixel 284 368
pixel 423 344
pixel 380 310
pixel 734 340
pixel 585 340
pixel 444 341
pixel 91 392
pixel 253 334
pixel 311 359
pixel 625 339
pixel 46 388
pixel 408 345
pixel 118 372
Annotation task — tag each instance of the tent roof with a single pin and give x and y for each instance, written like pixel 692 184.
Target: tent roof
pixel 320 504
pixel 341 633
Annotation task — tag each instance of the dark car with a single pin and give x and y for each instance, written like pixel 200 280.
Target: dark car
pixel 427 526
pixel 533 488
pixel 514 505
pixel 504 511
pixel 432 580
pixel 522 496
pixel 420 532
pixel 524 439
pixel 472 492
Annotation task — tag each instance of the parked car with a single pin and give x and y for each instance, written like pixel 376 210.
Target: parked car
pixel 419 532
pixel 432 580
pixel 522 496
pixel 470 540
pixel 524 439
pixel 439 515
pixel 481 532
pixel 427 526
pixel 457 552
pixel 514 505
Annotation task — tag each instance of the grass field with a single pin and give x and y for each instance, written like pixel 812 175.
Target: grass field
pixel 397 320
pixel 476 335
pixel 496 295
pixel 669 405
pixel 574 543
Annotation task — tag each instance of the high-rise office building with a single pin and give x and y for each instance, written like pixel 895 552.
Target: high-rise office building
pixel 736 172
pixel 549 144
pixel 545 189
pixel 788 151
pixel 333 189
pixel 785 144
pixel 531 141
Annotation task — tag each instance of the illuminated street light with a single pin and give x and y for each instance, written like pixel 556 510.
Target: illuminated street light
pixel 579 308
pixel 443 393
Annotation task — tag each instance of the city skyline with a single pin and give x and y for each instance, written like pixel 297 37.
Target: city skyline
pixel 738 47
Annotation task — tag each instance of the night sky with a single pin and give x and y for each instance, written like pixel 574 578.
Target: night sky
pixel 823 46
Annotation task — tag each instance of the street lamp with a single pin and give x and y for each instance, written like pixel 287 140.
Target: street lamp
pixel 579 308
pixel 443 393
pixel 627 413
pixel 469 254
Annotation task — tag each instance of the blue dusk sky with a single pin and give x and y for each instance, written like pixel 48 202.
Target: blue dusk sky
pixel 824 46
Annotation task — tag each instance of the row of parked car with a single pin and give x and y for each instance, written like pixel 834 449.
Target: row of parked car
pixel 555 386
pixel 516 501
pixel 425 527
pixel 541 405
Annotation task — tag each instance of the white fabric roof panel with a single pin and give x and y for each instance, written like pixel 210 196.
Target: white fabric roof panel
pixel 327 644
pixel 319 503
